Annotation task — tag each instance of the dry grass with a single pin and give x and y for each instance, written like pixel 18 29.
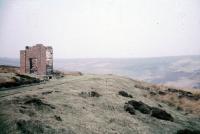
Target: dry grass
pixel 145 85
pixel 183 104
pixel 74 113
pixel 172 98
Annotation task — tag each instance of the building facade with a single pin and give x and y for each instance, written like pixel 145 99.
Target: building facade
pixel 37 59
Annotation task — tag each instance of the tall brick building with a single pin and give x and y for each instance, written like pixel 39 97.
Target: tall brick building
pixel 37 59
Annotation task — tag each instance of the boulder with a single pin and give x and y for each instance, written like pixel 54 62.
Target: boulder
pixel 125 94
pixel 161 114
pixel 140 106
pixel 94 94
pixel 152 93
pixel 58 118
pixel 162 93
pixel 172 90
pixel 129 108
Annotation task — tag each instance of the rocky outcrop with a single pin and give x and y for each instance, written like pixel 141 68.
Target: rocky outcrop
pixel 161 114
pixel 140 106
pixel 129 108
pixel 158 113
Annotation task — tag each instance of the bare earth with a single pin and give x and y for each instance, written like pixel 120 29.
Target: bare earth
pixel 67 106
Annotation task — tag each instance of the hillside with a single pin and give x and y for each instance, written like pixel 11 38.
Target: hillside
pixel 99 104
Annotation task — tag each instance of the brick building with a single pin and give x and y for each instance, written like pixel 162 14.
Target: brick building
pixel 37 59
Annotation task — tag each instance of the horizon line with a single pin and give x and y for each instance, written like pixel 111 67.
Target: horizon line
pixel 114 57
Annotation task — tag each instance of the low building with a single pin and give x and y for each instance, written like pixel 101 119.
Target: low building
pixel 37 59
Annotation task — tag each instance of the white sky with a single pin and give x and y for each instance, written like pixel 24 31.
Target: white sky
pixel 101 28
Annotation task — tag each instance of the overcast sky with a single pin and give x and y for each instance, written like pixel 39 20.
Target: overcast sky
pixel 101 28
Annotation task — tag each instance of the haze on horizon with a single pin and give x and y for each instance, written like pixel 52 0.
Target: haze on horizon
pixel 101 28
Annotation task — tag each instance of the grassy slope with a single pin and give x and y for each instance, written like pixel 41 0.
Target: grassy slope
pixel 64 111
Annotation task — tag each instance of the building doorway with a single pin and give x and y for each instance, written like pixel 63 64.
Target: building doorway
pixel 33 66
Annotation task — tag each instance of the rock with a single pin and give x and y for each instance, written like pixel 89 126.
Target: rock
pixel 172 90
pixel 162 93
pixel 47 92
pixel 58 118
pixel 89 94
pixel 125 94
pixel 94 94
pixel 153 93
pixel 188 131
pixel 161 114
pixel 140 106
pixel 146 109
pixel 142 87
pixel 160 105
pixel 129 108
pixel 179 108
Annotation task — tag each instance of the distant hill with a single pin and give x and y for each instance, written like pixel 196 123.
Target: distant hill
pixel 9 61
pixel 180 71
